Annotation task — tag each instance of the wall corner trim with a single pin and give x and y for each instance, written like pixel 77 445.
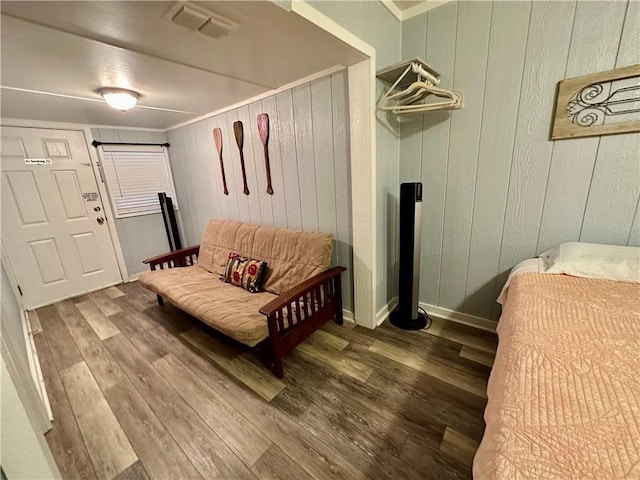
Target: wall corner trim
pixel 308 79
pixel 386 310
pixel 313 15
pixel 362 133
pixel 393 8
pixel 414 11
pixel 347 316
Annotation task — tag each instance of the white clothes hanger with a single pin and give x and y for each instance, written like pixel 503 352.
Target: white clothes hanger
pixel 454 101
pixel 409 99
pixel 416 92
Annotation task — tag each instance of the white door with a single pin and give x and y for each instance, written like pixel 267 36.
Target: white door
pixel 53 222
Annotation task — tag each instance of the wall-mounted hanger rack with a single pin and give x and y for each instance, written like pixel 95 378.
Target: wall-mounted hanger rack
pixel 414 81
pixel 392 73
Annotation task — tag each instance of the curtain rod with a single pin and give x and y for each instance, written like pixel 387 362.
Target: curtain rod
pixel 96 143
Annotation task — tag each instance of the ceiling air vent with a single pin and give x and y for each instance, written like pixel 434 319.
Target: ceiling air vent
pixel 190 18
pixel 214 29
pixel 199 19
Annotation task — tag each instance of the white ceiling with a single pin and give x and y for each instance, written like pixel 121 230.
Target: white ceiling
pixel 55 55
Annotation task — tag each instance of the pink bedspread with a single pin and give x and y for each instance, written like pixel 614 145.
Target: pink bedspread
pixel 564 392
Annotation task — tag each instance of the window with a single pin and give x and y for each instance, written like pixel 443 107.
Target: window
pixel 135 175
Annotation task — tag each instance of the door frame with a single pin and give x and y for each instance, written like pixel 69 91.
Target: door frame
pixel 93 155
pixel 42 409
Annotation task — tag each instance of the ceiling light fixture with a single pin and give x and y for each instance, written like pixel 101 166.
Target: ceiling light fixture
pixel 119 98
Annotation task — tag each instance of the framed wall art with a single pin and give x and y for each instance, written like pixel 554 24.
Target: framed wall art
pixel 598 104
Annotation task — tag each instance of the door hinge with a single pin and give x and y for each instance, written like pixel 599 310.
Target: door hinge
pixel 19 290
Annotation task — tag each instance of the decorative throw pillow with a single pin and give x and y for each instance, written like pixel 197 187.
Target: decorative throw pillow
pixel 245 272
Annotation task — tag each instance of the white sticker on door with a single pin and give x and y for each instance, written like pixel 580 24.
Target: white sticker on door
pixel 90 196
pixel 38 161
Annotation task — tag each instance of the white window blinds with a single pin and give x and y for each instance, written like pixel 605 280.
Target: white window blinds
pixel 135 175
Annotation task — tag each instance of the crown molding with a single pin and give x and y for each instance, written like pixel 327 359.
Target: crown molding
pixel 393 8
pixel 416 10
pixel 269 93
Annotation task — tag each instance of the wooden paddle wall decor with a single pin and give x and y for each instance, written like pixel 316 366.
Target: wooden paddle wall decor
pixel 217 137
pixel 239 133
pixel 238 130
pixel 263 129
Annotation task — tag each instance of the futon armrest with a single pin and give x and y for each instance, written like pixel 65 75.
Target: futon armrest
pixel 298 292
pixel 178 258
pixel 301 310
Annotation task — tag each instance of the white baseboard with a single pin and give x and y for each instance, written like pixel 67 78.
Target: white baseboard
pixel 347 316
pixel 135 276
pixel 459 317
pixel 381 316
pixel 384 312
pixel 443 313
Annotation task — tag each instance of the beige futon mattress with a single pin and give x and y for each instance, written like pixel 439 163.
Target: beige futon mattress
pixel 564 392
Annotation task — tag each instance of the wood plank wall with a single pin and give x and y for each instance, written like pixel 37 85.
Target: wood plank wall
pixel 309 154
pixel 144 236
pixel 496 190
pixel 373 23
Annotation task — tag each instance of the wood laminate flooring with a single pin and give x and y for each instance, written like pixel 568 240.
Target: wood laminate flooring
pixel 140 391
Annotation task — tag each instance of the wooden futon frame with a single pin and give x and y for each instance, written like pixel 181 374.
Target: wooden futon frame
pixel 292 316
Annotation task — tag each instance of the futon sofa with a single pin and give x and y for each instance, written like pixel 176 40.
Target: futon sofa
pixel 299 292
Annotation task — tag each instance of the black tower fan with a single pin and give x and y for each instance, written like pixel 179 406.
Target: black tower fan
pixel 408 315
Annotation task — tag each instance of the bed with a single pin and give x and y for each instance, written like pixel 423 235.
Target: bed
pixel 564 392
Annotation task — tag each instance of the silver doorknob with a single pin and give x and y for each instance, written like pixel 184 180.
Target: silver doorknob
pixel 100 220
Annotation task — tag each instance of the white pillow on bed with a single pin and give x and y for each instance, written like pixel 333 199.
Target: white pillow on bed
pixel 593 260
